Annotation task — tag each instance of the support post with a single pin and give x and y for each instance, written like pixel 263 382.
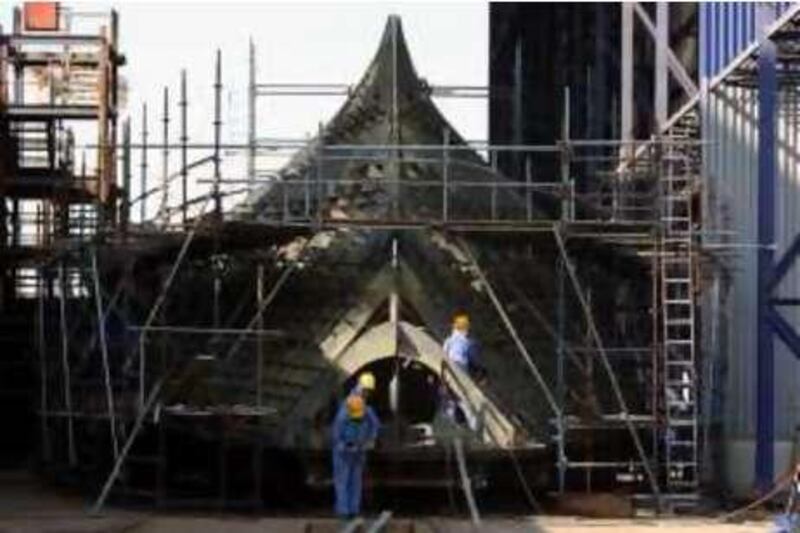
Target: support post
pixel 765 367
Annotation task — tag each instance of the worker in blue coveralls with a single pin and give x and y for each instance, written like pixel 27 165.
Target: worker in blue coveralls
pixel 355 429
pixel 461 351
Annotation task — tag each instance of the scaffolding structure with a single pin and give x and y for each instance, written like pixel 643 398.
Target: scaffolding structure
pixel 127 329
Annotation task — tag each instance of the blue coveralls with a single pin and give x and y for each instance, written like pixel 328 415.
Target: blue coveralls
pixel 350 438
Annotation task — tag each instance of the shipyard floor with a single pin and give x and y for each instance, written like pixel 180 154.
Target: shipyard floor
pixel 26 505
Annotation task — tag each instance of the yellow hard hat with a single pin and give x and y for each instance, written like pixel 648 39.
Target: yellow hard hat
pixel 461 321
pixel 355 407
pixel 367 381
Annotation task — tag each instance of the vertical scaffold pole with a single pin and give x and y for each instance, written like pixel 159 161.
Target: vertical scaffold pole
pixel 125 208
pixel 565 157
pixel 320 173
pixel 251 117
pixel 217 135
pixel 257 453
pixel 42 342
pixel 561 388
pixel 184 104
pixel 446 175
pixel 162 210
pixel 143 163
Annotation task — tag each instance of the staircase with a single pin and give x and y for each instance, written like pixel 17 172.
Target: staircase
pixel 678 369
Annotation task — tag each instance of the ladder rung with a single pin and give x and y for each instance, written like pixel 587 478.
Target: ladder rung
pixel 679 341
pixel 679 322
pixel 681 423
pixel 676 301
pixel 683 281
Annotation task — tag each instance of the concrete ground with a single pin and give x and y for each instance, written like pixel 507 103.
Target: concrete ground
pixel 121 522
pixel 27 507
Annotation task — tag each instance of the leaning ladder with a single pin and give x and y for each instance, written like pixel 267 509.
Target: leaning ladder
pixel 678 372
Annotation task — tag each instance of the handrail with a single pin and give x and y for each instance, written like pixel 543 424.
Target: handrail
pixel 447 369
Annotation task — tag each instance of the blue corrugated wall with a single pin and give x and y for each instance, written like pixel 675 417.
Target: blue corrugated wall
pixel 726 29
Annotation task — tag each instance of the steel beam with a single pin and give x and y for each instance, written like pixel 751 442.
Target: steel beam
pixel 674 64
pixel 785 331
pixel 785 263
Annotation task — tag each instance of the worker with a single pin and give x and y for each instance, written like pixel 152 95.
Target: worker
pixel 354 431
pixel 461 351
pixel 460 348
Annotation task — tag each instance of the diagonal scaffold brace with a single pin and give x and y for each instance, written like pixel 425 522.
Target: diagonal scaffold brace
pixel 595 334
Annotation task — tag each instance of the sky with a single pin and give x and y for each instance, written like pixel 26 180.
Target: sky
pixel 330 42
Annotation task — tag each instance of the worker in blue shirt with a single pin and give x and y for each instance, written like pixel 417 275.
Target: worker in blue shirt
pixel 461 351
pixel 354 431
pixel 459 346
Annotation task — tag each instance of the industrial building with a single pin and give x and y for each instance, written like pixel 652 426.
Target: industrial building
pixel 624 240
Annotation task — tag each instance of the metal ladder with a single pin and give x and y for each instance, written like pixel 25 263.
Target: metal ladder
pixel 679 371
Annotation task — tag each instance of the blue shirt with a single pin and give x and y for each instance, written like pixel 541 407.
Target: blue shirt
pixel 460 349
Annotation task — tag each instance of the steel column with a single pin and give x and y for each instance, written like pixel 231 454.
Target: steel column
pixel 661 77
pixel 626 124
pixel 765 367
